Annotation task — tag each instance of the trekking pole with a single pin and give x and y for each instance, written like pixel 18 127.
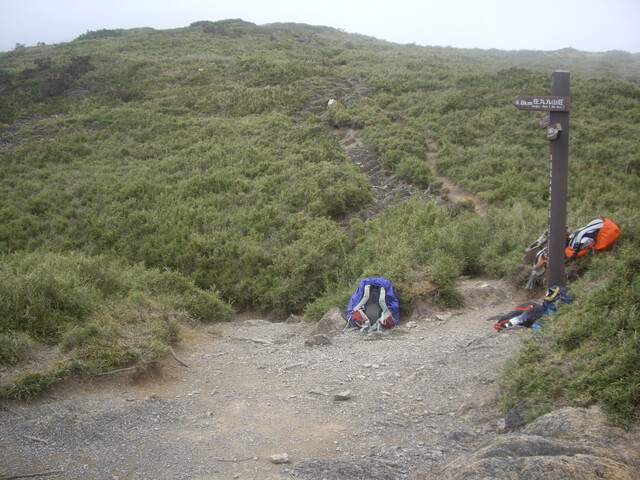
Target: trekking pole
pixel 532 279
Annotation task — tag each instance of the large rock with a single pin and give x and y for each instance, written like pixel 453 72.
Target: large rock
pixel 331 323
pixel 570 443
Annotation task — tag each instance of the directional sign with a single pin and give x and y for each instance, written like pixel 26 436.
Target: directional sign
pixel 541 103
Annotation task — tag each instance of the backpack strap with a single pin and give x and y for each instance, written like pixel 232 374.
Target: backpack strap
pixel 386 319
pixel 359 309
pixel 582 241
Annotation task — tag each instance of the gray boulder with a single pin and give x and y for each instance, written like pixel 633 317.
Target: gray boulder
pixel 331 323
pixel 570 443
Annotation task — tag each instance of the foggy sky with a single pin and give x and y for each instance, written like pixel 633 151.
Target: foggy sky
pixel 587 25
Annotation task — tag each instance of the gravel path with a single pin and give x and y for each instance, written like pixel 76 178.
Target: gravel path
pixel 257 403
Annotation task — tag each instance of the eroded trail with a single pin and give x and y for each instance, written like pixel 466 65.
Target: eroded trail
pixel 452 191
pixel 417 396
pixel 387 189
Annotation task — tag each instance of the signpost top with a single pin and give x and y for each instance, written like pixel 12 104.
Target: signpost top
pixel 542 103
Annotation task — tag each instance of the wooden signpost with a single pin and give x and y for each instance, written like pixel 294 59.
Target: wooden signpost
pixel 557 126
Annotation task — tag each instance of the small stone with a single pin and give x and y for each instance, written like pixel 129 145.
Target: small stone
pixel 279 459
pixel 342 396
pixel 317 340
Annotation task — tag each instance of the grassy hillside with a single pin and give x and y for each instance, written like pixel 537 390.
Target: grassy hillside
pixel 152 177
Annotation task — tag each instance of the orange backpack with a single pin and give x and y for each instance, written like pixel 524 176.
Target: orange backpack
pixel 599 235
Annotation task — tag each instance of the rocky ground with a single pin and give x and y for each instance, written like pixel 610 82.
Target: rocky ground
pixel 291 400
pixel 413 398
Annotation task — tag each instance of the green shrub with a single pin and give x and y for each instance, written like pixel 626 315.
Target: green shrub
pixel 15 347
pixel 104 357
pixel 317 308
pixel 40 297
pixel 205 307
pixel 165 330
pixel 337 116
pixel 415 171
pixel 30 385
pixel 537 385
pixel 79 336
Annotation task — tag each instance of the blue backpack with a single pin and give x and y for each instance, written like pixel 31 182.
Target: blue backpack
pixel 526 314
pixel 374 305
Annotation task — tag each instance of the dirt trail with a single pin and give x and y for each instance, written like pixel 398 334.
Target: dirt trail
pixel 454 193
pixel 417 396
pixel 387 189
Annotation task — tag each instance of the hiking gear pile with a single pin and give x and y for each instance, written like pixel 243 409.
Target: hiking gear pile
pixel 597 236
pixel 373 306
pixel 526 314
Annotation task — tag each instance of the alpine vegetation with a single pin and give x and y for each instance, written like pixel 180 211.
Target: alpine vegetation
pixel 152 178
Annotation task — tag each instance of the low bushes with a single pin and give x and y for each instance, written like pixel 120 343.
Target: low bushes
pixel 169 175
pixel 100 312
